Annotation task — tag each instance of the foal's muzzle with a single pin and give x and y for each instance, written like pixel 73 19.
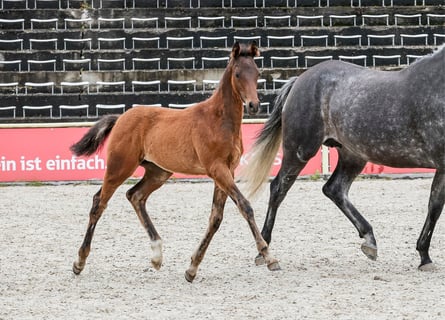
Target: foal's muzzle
pixel 252 107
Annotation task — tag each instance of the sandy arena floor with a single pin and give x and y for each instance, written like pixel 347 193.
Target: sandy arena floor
pixel 324 274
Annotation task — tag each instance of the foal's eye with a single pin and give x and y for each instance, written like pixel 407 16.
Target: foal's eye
pixel 237 75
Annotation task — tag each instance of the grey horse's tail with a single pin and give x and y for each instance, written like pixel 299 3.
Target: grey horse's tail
pixel 95 137
pixel 266 145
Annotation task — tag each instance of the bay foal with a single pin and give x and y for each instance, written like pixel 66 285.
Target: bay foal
pixel 204 139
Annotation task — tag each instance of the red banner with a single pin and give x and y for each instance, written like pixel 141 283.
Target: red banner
pixel 42 154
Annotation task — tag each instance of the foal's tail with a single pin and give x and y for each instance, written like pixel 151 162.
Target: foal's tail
pixel 95 137
pixel 266 146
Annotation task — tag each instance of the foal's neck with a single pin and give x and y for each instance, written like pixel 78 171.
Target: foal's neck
pixel 232 104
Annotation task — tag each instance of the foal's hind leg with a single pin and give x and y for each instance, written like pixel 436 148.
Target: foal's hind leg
pixel 153 179
pixel 337 189
pixel 100 201
pixel 118 170
pixel 95 214
pixel 435 207
pixel 216 216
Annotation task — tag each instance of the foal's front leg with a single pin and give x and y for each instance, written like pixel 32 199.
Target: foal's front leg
pixel 224 179
pixel 216 216
pixel 247 212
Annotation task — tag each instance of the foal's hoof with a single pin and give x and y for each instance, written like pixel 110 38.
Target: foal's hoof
pixel 273 266
pixel 189 277
pixel 156 264
pixel 370 251
pixel 77 269
pixel 156 260
pixel 259 260
pixel 428 267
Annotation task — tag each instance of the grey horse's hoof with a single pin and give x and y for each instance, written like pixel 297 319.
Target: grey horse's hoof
pixel 370 251
pixel 428 267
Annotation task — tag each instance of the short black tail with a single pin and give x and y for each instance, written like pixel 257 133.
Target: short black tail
pixel 95 137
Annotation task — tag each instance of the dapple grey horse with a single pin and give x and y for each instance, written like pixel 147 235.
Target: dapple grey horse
pixel 392 118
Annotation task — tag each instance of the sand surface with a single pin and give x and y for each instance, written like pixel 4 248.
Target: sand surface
pixel 324 274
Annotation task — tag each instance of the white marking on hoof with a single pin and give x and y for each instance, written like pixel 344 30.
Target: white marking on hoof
pixel 429 267
pixel 156 260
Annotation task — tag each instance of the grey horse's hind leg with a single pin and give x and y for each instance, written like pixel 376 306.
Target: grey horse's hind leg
pixel 435 207
pixel 337 189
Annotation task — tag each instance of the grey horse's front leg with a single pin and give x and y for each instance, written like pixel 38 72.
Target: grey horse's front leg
pixel 435 207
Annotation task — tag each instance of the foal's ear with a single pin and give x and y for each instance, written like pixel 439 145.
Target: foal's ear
pixel 255 52
pixel 235 50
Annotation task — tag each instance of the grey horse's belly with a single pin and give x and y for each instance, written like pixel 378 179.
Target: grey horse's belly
pixel 396 151
pixel 387 139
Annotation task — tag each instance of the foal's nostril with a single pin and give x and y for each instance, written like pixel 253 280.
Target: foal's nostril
pixel 253 107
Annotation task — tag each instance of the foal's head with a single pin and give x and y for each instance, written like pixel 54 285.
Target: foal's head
pixel 245 74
